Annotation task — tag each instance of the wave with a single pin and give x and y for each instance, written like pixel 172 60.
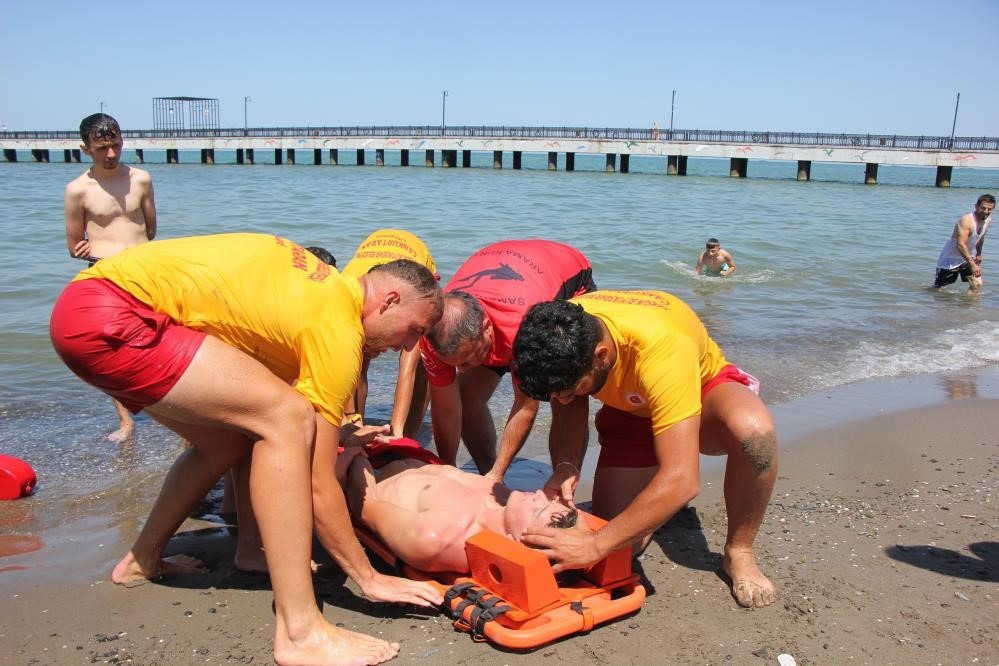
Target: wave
pixel 686 270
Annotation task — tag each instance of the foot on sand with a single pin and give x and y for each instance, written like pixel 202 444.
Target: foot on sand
pixel 129 573
pixel 122 434
pixel 750 587
pixel 331 645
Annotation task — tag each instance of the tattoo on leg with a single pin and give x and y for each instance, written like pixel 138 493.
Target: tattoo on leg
pixel 759 449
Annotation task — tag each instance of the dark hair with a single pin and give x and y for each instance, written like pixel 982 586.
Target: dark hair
pixel 564 519
pixel 418 276
pixel 554 348
pixel 461 321
pixel 99 126
pixel 323 255
pixel 987 198
pixel 712 242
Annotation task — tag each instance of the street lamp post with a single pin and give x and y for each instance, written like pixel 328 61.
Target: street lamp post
pixel 672 105
pixel 443 109
pixel 102 107
pixel 245 101
pixel 953 126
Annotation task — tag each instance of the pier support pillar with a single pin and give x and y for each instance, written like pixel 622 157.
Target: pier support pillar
pixel 66 156
pixel 570 161
pixel 671 168
pixel 239 156
pixel 404 157
pixel 9 155
pixel 804 169
pixel 379 157
pixel 429 159
pixel 738 166
pixel 681 165
pixel 208 156
pixel 76 154
pixel 625 162
pixel 497 159
pixel 943 176
pixel 449 158
pixel 249 155
pixel 334 156
pixel 39 155
pixel 360 157
pixel 466 159
pixel 317 156
pixel 278 156
pixel 871 174
pixel 140 156
pixel 611 163
pixel 517 159
pixel 290 155
pixel 552 161
pixel 173 156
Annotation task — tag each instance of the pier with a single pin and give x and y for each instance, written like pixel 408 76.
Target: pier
pixel 431 146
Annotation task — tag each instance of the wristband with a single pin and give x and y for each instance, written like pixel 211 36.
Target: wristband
pixel 566 462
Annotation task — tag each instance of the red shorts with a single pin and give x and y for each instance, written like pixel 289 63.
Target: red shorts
pixel 626 440
pixel 114 341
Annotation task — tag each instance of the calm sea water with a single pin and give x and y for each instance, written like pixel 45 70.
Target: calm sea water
pixel 831 287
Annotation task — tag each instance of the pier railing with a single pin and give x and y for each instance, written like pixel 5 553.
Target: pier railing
pixel 880 141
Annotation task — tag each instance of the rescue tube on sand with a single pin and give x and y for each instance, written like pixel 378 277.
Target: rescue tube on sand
pixel 17 479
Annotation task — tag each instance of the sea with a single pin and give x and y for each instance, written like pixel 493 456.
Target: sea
pixel 832 292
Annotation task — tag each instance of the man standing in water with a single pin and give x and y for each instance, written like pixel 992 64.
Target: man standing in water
pixel 109 208
pixel 668 395
pixel 248 344
pixel 715 260
pixel 956 257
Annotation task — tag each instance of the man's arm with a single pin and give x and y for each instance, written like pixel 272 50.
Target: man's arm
pixel 567 441
pixel 700 263
pixel 445 415
pixel 518 427
pixel 727 256
pixel 965 225
pixel 676 482
pixel 334 531
pixel 76 222
pixel 409 360
pixel 149 206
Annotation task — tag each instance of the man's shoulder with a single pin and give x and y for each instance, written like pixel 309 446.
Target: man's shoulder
pixel 138 175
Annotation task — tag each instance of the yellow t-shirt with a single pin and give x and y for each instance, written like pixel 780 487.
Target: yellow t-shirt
pixel 262 294
pixel 387 245
pixel 664 354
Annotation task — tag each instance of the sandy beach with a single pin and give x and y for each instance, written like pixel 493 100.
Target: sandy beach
pixel 881 538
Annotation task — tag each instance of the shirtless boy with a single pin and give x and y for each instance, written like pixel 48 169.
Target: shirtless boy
pixel 109 208
pixel 715 261
pixel 424 512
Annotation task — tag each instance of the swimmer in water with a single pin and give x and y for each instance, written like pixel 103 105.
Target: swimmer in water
pixel 715 261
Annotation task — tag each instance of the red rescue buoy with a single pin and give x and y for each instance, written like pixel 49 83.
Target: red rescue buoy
pixel 17 479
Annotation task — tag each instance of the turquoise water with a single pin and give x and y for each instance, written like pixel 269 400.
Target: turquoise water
pixel 831 286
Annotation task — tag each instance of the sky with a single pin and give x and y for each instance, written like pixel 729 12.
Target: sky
pixel 889 67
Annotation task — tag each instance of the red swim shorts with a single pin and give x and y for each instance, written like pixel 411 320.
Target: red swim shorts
pixel 626 440
pixel 114 341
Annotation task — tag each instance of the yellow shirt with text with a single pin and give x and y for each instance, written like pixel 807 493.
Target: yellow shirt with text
pixel 664 355
pixel 261 294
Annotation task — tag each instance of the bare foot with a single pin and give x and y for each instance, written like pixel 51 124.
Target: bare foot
pixel 250 559
pixel 750 587
pixel 327 644
pixel 122 434
pixel 130 573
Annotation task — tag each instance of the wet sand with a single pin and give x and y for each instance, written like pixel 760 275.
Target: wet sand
pixel 881 538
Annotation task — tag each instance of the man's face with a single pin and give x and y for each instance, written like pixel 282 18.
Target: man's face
pixel 398 325
pixel 984 209
pixel 105 151
pixel 588 384
pixel 472 353
pixel 712 251
pixel 524 510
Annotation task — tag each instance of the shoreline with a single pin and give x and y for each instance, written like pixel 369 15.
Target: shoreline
pixel 881 538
